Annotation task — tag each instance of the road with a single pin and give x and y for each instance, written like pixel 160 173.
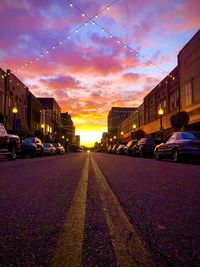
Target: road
pixel 95 209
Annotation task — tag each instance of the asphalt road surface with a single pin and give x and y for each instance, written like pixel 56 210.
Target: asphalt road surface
pixel 95 209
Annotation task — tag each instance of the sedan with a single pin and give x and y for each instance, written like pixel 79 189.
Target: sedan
pixel 59 148
pixel 144 147
pixel 179 145
pixel 32 146
pixel 49 149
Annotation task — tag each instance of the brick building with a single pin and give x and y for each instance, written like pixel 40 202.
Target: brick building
pixel 13 94
pixel 116 115
pixel 50 119
pixel 189 62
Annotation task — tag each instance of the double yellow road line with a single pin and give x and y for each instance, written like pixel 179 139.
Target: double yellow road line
pixel 128 247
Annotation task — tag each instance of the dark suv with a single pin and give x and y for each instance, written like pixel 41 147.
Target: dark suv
pixel 9 143
pixel 144 147
pixel 32 146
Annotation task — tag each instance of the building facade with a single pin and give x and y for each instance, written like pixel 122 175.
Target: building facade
pixel 189 64
pixel 68 129
pixel 50 119
pixel 14 95
pixel 34 114
pixel 116 115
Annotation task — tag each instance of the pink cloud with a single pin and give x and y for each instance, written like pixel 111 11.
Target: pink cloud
pixel 60 82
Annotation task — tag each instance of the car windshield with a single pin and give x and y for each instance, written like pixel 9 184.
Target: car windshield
pixel 189 135
pixel 56 144
pixel 150 141
pixel 47 145
pixel 29 141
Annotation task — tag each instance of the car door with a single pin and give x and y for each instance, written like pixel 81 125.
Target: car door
pixel 169 145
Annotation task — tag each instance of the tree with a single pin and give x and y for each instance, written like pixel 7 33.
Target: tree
pixel 139 134
pixel 39 134
pixel 180 119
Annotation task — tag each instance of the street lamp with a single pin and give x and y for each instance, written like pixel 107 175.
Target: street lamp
pixel 14 111
pixel 122 135
pixel 160 113
pixel 42 126
pixel 134 127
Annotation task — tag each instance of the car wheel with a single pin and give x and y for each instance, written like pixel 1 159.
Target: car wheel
pixel 33 153
pixel 13 154
pixel 141 153
pixel 175 155
pixel 157 155
pixel 132 153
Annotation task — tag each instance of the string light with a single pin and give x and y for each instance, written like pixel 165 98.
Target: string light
pixel 119 41
pixel 74 31
pixel 137 54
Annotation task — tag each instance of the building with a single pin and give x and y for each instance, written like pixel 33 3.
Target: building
pixel 77 140
pixel 189 68
pixel 116 115
pixel 13 103
pixel 34 114
pixel 50 118
pixel 2 93
pixel 68 129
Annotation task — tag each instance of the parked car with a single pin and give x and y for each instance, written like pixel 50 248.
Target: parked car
pixel 179 145
pixel 32 146
pixel 59 148
pixel 114 148
pixel 109 149
pixel 9 143
pixel 129 147
pixel 121 149
pixel 49 149
pixel 144 147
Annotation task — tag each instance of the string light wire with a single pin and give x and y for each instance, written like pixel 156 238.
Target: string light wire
pixel 119 41
pixel 46 52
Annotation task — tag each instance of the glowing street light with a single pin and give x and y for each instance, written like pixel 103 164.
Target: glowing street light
pixel 14 111
pixel 160 113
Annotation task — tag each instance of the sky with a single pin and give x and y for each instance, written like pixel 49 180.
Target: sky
pixel 94 55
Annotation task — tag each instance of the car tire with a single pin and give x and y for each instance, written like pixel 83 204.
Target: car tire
pixel 175 155
pixel 13 154
pixel 157 156
pixel 33 153
pixel 141 153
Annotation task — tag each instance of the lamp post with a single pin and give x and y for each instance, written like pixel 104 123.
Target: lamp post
pixel 134 127
pixel 160 113
pixel 122 135
pixel 14 111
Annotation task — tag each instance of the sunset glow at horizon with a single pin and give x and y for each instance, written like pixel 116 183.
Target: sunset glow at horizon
pixel 90 67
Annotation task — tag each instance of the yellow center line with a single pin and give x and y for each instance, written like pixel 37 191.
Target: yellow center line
pixel 129 248
pixel 68 252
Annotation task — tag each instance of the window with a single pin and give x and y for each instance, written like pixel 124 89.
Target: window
pixel 188 93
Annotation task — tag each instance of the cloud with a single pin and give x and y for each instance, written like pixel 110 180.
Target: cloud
pixel 60 82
